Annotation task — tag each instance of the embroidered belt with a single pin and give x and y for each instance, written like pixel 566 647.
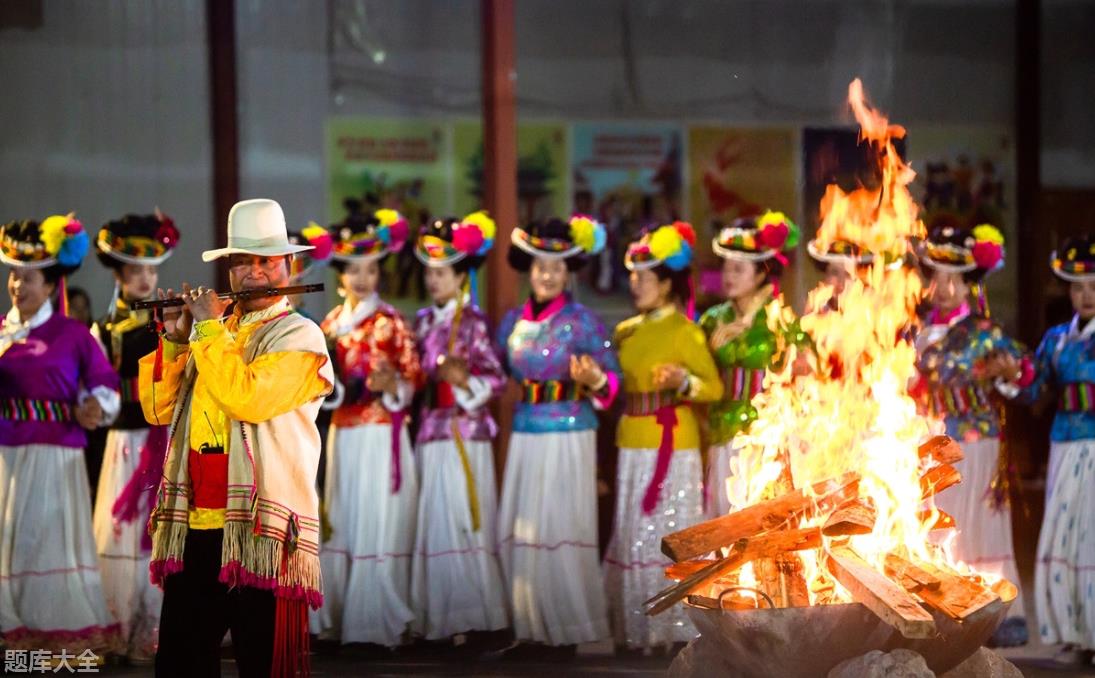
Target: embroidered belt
pixel 742 383
pixel 663 406
pixel 130 391
pixel 28 409
pixel 550 391
pixel 1077 397
pixel 957 401
pixel 649 402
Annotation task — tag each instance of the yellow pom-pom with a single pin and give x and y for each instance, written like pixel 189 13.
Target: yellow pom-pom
pixel 52 233
pixel 771 217
pixel 582 233
pixel 665 242
pixel 988 233
pixel 387 217
pixel 313 230
pixel 484 222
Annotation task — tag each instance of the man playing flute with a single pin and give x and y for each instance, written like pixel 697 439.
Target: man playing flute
pixel 236 524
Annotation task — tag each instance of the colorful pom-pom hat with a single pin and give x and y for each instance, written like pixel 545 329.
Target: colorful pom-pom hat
pixel 757 238
pixel 362 237
pixel 137 239
pixel 584 236
pixel 56 241
pixel 975 252
pixel 670 245
pixel 1075 261
pixel 444 242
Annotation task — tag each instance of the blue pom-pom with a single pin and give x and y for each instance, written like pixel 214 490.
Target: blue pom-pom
pixel 600 238
pixel 73 249
pixel 487 244
pixel 385 235
pixel 681 258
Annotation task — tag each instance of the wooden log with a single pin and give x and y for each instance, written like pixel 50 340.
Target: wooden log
pixel 710 535
pixel 852 517
pixel 937 479
pixel 942 449
pixel 956 596
pixel 793 590
pixel 886 599
pixel 686 568
pixel 943 520
pixel 909 575
pixel 743 551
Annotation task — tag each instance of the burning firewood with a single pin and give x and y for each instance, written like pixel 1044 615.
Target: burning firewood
pixel 743 551
pixel 853 517
pixel 942 449
pixel 758 518
pixel 938 479
pixel 943 520
pixel 887 600
pixel 949 592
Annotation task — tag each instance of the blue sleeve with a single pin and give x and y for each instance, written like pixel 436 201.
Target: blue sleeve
pixel 501 340
pixel 597 345
pixel 1044 376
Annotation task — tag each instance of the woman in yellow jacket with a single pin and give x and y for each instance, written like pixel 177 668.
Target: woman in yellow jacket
pixel 659 483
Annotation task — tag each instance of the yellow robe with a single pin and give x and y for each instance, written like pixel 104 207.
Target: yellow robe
pixel 660 337
pixel 227 387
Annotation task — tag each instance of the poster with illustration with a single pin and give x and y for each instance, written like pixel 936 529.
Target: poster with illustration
pixel 736 172
pixel 399 164
pixel 541 169
pixel 629 176
pixel 966 176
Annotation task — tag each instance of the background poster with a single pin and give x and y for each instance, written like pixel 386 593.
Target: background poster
pixel 400 164
pixel 966 175
pixel 541 169
pixel 630 177
pixel 737 172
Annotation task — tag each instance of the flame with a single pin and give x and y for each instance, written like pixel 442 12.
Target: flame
pixel 852 412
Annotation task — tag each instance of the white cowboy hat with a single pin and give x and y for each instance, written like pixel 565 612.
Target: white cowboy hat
pixel 256 227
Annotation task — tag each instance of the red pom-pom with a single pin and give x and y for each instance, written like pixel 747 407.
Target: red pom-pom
pixel 987 255
pixel 773 236
pixel 686 231
pixel 467 239
pixel 399 232
pixel 73 227
pixel 167 233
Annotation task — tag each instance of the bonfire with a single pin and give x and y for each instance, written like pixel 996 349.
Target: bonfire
pixel 835 478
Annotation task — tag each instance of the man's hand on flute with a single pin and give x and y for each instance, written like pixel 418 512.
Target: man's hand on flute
pixel 177 320
pixel 203 302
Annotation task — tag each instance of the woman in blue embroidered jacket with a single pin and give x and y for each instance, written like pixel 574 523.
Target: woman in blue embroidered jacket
pixel 1064 574
pixel 560 354
pixel 967 366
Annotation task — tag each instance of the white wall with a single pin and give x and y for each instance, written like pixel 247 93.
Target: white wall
pixel 106 112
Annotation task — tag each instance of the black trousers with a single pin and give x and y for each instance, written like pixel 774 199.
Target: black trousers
pixel 198 610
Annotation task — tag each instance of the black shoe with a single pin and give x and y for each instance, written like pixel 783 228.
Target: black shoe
pixel 537 652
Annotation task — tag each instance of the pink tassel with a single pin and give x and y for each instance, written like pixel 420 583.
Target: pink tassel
pixel 691 307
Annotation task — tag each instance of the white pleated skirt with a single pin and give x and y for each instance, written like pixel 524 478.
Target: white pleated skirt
pixel 131 596
pixel 456 582
pixel 1064 574
pixel 720 459
pixel 367 560
pixel 983 539
pixel 51 596
pixel 547 529
pixel 634 563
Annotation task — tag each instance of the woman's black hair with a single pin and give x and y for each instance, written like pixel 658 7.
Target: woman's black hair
pixel 680 289
pixel 553 228
pixel 442 228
